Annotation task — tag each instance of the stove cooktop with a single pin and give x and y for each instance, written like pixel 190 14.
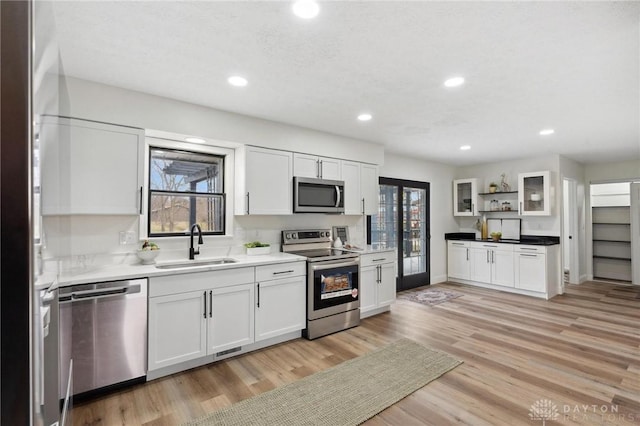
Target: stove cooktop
pixel 318 255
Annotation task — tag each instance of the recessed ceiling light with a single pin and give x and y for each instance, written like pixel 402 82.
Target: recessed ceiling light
pixel 547 132
pixel 454 82
pixel 465 147
pixel 237 81
pixel 194 140
pixel 365 117
pixel 306 9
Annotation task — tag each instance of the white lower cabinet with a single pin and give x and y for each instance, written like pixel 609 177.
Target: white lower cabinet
pixel 377 281
pixel 280 302
pixel 492 263
pixel 199 314
pixel 177 328
pixel 531 268
pixel 527 269
pixel 231 317
pixel 458 260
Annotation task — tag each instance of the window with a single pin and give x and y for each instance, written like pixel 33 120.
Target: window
pixel 185 188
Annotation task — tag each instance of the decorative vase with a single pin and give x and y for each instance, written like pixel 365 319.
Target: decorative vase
pixel 492 189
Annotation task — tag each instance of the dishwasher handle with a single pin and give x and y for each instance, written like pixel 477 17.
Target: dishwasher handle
pixel 100 293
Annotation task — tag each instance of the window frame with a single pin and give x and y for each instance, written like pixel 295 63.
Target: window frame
pixel 168 143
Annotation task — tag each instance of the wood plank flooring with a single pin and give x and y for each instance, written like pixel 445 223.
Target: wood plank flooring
pixel 579 351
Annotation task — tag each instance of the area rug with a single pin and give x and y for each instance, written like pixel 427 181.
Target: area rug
pixel 429 297
pixel 347 394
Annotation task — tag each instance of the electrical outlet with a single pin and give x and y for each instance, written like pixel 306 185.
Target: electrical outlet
pixel 127 237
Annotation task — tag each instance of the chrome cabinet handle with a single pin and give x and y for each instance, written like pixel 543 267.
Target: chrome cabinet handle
pixel 320 168
pixel 487 256
pixel 283 272
pixel 247 203
pixel 210 304
pixel 204 297
pixel 337 196
pixel 363 206
pixel 467 254
pixel 258 288
pixel 140 200
pixel 528 255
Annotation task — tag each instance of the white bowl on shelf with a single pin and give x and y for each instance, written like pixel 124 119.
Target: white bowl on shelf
pixel 148 257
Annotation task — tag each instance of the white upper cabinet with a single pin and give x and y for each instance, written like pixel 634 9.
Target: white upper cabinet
pixel 264 182
pixel 534 194
pixel 369 188
pixel 352 193
pixel 465 197
pixel 90 168
pixel 312 166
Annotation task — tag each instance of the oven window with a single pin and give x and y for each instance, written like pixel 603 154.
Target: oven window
pixel 335 286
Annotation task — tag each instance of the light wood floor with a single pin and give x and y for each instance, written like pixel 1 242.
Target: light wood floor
pixel 580 351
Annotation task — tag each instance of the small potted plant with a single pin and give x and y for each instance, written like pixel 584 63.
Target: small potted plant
pixel 493 187
pixel 256 248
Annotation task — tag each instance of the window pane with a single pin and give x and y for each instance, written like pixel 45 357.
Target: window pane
pixel 185 171
pixel 384 224
pixel 170 214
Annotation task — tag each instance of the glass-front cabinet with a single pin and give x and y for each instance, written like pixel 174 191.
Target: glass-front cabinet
pixel 465 197
pixel 534 195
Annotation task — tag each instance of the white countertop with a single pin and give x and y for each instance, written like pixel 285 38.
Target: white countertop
pixel 370 249
pixel 130 271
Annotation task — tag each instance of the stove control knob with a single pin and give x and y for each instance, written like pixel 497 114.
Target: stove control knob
pixel 287 236
pixel 294 235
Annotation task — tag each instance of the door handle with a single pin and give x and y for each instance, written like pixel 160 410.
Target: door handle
pixel 140 200
pixel 204 298
pixel 258 291
pixel 337 196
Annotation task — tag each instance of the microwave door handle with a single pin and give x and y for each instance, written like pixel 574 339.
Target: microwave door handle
pixel 337 196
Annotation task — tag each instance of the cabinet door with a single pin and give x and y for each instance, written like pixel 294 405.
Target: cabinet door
pixel 231 317
pixel 458 261
pixel 387 285
pixel 368 288
pixel 531 272
pixel 480 260
pixel 465 197
pixel 534 197
pixel 351 178
pixel 369 188
pixel 177 328
pixel 280 307
pixel 502 268
pixel 269 182
pixel 330 168
pixel 91 168
pixel 305 165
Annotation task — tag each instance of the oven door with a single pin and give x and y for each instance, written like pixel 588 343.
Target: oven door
pixel 332 288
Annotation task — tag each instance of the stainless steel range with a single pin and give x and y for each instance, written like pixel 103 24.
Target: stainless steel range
pixel 333 302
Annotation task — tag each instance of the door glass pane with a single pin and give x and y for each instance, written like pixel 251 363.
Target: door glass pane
pixel 464 197
pixel 414 231
pixel 384 225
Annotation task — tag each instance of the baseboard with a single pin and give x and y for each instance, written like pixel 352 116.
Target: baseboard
pixel 439 279
pixel 584 278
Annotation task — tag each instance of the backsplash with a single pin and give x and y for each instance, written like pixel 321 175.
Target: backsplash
pixel 74 244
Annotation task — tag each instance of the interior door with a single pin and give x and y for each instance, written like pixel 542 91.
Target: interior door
pixel 402 222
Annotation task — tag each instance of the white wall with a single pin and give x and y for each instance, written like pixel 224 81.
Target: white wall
pixel 576 171
pixel 440 177
pixel 490 172
pixel 94 101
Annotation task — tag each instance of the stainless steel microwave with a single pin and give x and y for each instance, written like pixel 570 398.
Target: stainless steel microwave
pixel 317 195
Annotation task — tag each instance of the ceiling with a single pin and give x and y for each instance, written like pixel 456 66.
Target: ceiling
pixel 570 66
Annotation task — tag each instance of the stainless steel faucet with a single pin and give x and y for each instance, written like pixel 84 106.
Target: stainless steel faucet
pixel 192 251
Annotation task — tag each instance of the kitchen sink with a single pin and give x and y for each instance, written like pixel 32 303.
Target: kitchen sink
pixel 194 263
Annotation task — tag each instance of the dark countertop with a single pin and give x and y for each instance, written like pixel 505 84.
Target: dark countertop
pixel 535 240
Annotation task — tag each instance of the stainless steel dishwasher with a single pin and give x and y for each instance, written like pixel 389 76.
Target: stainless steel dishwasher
pixel 103 328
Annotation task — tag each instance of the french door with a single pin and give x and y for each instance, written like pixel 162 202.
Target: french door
pixel 402 222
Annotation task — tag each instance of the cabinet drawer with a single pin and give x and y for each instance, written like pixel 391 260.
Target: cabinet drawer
pixel 181 283
pixel 280 270
pixel 531 249
pixel 377 258
pixel 459 243
pixel 492 246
